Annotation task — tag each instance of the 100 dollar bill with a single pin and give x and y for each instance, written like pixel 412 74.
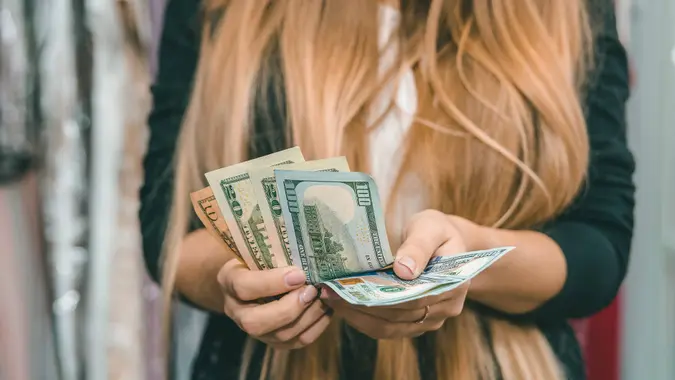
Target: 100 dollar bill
pixel 442 274
pixel 235 196
pixel 265 187
pixel 335 223
pixel 463 266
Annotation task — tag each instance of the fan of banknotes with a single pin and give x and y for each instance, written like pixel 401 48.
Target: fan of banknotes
pixel 281 210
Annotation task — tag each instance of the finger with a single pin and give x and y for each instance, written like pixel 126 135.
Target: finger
pixel 310 316
pixel 334 301
pixel 458 292
pixel 372 326
pixel 428 231
pixel 403 313
pixel 451 247
pixel 428 300
pixel 330 298
pixel 396 315
pixel 248 285
pixel 442 310
pixel 310 335
pixel 263 319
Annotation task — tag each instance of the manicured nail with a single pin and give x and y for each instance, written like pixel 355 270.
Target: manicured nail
pixel 409 263
pixel 328 294
pixel 309 294
pixel 295 277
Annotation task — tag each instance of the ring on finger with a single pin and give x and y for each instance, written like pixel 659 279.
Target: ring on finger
pixel 424 317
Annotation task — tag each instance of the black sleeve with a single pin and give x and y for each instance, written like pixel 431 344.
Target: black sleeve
pixel 179 50
pixel 595 234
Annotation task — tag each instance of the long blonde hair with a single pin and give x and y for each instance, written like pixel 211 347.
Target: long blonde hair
pixel 499 136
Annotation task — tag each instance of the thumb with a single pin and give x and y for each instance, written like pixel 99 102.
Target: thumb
pixel 424 236
pixel 410 261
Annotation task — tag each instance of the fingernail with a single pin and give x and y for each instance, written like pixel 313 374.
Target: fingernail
pixel 295 277
pixel 409 263
pixel 328 294
pixel 309 294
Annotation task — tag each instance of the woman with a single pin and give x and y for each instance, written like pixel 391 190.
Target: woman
pixel 469 115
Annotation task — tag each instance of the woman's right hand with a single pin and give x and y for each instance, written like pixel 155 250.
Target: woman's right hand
pixel 293 321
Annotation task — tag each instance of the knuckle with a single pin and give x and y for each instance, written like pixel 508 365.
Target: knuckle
pixel 456 309
pixel 436 325
pixel 227 308
pixel 240 290
pixel 306 339
pixel 250 324
pixel 223 275
pixel 287 316
pixel 410 316
pixel 227 272
pixel 284 336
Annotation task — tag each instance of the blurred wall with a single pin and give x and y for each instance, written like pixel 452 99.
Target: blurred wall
pixel 648 350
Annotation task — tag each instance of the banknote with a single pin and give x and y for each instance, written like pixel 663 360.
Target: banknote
pixel 239 205
pixel 453 271
pixel 463 266
pixel 382 288
pixel 265 188
pixel 206 208
pixel 335 223
pixel 442 274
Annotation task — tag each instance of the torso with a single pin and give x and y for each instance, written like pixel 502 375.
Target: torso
pixel 223 341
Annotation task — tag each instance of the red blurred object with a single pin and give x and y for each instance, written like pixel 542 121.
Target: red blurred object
pixel 600 340
pixel 603 346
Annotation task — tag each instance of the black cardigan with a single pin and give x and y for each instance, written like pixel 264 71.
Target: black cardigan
pixel 594 233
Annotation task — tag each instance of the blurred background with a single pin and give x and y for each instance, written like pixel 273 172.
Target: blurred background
pixel 75 302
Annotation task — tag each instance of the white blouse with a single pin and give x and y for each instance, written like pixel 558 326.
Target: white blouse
pixel 386 142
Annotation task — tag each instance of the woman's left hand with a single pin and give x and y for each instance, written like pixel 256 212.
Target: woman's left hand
pixel 429 233
pixel 406 320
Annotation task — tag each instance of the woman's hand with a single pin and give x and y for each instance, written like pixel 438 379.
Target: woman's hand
pixel 293 321
pixel 404 320
pixel 429 233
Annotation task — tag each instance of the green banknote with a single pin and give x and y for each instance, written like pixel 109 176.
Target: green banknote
pixel 463 266
pixel 335 223
pixel 236 198
pixel 265 187
pixel 442 274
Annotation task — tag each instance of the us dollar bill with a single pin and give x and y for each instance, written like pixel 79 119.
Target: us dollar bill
pixel 206 207
pixel 442 274
pixel 463 266
pixel 265 188
pixel 235 196
pixel 384 288
pixel 335 223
